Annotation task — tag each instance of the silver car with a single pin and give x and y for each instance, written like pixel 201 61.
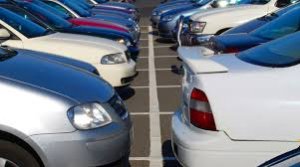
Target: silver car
pixel 54 115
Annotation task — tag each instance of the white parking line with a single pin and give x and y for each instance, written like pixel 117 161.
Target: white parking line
pixel 155 135
pixel 157 69
pixel 157 57
pixel 158 86
pixel 147 113
pixel 151 159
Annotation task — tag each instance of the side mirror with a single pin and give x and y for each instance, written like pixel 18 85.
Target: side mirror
pixel 4 34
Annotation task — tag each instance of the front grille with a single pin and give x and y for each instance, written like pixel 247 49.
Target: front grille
pixel 118 105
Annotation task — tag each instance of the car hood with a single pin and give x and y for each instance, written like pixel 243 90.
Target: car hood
pixel 72 45
pixel 240 41
pixel 98 32
pixel 230 11
pixel 43 75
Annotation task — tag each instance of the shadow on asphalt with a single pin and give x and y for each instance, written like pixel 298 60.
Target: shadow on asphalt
pixel 167 152
pixel 164 41
pixel 125 92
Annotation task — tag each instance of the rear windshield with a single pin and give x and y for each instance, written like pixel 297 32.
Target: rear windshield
pixel 283 52
pixel 286 24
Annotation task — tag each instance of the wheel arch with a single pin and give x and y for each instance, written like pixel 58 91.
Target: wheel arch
pixel 9 134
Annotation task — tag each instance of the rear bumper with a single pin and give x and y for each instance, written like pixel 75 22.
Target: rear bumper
pixel 196 147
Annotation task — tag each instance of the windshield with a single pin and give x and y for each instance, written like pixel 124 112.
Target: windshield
pixel 50 9
pixel 203 2
pixel 60 8
pixel 256 2
pixel 286 9
pixel 76 8
pixel 47 17
pixel 286 24
pixel 22 25
pixel 82 4
pixel 278 53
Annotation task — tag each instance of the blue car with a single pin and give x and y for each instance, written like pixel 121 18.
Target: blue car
pixel 50 20
pixel 285 24
pixel 107 10
pixel 161 9
pixel 125 21
pixel 169 19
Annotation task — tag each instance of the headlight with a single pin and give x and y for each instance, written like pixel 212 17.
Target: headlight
pixel 113 59
pixel 155 13
pixel 168 18
pixel 89 116
pixel 197 27
pixel 124 42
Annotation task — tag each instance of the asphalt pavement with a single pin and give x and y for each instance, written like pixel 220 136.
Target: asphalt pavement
pixel 153 96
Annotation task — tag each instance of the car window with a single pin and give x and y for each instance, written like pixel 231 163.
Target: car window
pixel 22 25
pixel 59 7
pixel 286 24
pixel 283 52
pixel 50 9
pixel 286 9
pixel 47 17
pixel 76 8
pixel 256 2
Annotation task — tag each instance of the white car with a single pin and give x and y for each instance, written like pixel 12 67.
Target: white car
pixel 110 58
pixel 216 21
pixel 239 110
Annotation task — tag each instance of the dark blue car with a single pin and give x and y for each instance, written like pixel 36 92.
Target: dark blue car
pixel 285 24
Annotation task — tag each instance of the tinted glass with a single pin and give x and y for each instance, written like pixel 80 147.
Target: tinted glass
pixel 286 24
pixel 59 7
pixel 24 26
pixel 50 9
pixel 278 53
pixel 286 9
pixel 76 8
pixel 47 17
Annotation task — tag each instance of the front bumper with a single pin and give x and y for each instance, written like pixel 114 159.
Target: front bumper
pixel 194 147
pixel 91 148
pixel 165 29
pixel 134 51
pixel 155 20
pixel 118 75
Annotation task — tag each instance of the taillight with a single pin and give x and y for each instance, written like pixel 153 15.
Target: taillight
pixel 231 50
pixel 200 112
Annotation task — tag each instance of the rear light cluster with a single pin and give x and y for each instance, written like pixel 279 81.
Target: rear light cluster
pixel 200 112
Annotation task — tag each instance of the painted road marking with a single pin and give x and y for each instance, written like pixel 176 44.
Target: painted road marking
pixel 155 134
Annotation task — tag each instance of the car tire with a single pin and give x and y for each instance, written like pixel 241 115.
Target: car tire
pixel 11 152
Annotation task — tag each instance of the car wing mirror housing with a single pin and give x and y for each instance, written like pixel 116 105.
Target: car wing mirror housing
pixel 4 34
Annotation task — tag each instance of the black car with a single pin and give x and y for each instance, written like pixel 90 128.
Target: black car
pixel 54 22
pixel 285 24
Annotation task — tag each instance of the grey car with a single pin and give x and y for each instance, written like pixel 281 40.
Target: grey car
pixel 54 115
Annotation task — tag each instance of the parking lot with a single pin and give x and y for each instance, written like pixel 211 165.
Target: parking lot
pixel 153 97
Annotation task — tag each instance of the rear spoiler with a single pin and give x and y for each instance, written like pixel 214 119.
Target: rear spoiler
pixel 197 59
